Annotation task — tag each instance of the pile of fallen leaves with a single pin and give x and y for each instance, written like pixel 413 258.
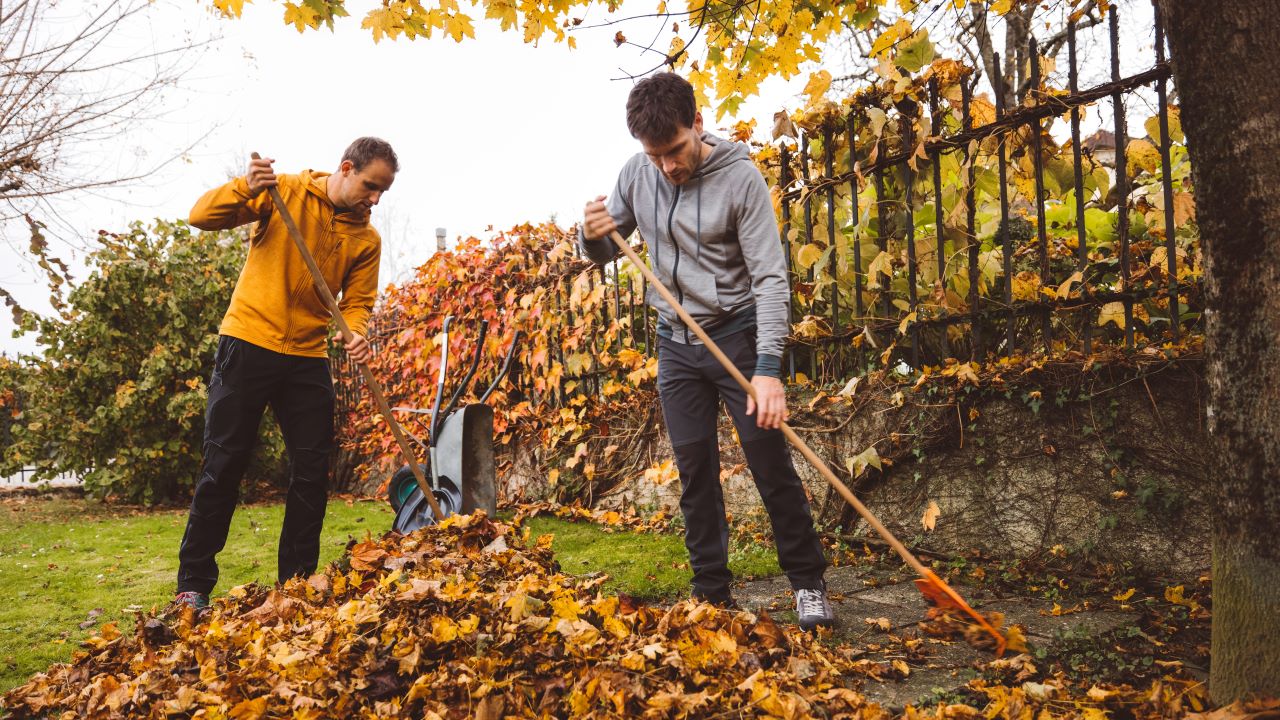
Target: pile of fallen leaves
pixel 461 620
pixel 468 620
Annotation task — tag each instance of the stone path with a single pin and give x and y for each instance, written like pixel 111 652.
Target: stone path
pixel 863 608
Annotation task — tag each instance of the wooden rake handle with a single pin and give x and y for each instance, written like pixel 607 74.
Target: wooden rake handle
pixel 801 445
pixel 375 388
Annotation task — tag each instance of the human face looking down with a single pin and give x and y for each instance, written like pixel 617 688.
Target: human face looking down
pixel 362 189
pixel 677 157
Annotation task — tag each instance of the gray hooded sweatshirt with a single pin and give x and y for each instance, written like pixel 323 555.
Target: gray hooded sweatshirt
pixel 713 241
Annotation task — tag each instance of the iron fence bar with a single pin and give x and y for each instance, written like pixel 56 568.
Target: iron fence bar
pixel 939 222
pixel 1006 239
pixel 1037 162
pixel 966 123
pixel 1053 106
pixel 1028 308
pixel 1166 182
pixel 784 179
pixel 908 191
pixel 1122 177
pixel 828 142
pixel 808 231
pixel 644 314
pixel 617 303
pixel 855 220
pixel 882 242
pixel 1082 262
pixel 631 311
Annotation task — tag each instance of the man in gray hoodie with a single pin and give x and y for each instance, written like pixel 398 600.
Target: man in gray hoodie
pixel 704 211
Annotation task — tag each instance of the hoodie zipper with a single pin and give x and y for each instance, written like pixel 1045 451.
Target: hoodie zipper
pixel 675 266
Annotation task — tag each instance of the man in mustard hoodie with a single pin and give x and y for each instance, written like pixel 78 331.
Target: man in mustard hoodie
pixel 272 349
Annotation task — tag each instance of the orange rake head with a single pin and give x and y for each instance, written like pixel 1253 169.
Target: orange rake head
pixel 938 592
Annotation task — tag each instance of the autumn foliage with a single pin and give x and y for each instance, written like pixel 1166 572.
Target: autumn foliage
pixel 466 620
pixel 576 366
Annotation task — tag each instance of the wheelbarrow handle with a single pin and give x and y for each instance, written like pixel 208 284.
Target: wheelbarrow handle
pixel 506 365
pixel 466 380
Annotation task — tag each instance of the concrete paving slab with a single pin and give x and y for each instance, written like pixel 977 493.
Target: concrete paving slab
pixel 1046 627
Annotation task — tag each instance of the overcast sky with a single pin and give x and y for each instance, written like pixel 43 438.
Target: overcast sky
pixel 490 132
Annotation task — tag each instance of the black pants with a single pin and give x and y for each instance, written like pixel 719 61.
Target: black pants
pixel 691 384
pixel 246 378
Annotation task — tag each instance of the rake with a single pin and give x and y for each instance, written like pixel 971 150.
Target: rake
pixel 934 588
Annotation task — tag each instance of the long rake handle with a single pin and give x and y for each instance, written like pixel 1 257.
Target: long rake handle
pixel 799 443
pixel 375 388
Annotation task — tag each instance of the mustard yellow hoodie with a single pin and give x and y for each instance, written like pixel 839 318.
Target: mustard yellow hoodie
pixel 275 305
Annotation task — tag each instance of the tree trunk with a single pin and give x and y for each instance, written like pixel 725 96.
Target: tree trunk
pixel 1224 64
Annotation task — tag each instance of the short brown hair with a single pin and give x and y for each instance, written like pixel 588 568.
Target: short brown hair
pixel 367 149
pixel 659 106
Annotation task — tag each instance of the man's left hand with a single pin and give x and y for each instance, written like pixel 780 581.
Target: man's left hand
pixel 358 348
pixel 770 403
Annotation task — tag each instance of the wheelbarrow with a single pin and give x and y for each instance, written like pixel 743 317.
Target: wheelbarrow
pixel 459 448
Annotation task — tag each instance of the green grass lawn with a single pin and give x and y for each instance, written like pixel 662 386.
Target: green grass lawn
pixel 653 567
pixel 64 560
pixel 61 558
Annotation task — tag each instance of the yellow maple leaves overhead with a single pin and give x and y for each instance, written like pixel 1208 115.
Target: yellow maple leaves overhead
pixel 725 49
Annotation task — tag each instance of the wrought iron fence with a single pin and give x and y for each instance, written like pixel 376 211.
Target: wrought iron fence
pixel 967 231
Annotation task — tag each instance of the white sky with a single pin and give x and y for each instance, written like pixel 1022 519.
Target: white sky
pixel 490 132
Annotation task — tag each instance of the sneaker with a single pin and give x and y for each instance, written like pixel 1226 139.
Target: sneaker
pixel 814 609
pixel 197 600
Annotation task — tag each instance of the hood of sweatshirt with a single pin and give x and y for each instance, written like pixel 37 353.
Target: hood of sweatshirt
pixel 316 183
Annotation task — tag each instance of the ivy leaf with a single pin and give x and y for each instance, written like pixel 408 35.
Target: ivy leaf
pixel 915 52
pixel 807 255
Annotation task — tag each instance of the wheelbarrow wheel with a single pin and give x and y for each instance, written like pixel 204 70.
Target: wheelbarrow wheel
pixel 403 484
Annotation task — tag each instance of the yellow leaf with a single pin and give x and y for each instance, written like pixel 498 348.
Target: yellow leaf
pixel 1141 154
pixel 504 11
pixel 1064 290
pixel 301 16
pixel 230 8
pixel 858 464
pixel 249 709
pixel 1015 641
pixel 807 255
pixel 1112 312
pixel 817 86
pixel 383 22
pixel 931 514
pixel 1175 126
pixel 906 323
pixel 1124 595
pixel 888 38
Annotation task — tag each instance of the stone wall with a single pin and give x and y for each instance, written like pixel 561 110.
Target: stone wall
pixel 1107 464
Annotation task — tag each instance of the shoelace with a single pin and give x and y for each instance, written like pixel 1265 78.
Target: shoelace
pixel 812 602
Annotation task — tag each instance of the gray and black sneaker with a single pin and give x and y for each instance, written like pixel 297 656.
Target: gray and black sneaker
pixel 814 609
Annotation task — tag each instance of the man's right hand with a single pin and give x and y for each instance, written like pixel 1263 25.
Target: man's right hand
pixel 260 176
pixel 596 221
